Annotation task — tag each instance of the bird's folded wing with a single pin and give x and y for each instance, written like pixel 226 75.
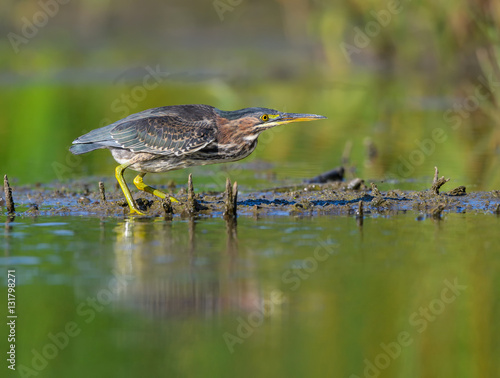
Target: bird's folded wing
pixel 167 135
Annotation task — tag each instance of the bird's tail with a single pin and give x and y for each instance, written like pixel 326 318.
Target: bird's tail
pixel 82 148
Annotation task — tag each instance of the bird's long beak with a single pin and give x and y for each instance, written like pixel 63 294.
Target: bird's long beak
pixel 285 118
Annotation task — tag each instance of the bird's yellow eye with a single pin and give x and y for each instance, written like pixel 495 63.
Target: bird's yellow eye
pixel 264 117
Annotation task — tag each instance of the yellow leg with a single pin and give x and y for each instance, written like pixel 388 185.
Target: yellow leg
pixel 128 196
pixel 139 183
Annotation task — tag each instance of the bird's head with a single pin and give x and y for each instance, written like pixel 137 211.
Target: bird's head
pixel 248 123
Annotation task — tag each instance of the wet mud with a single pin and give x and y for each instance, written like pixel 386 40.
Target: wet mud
pixel 353 197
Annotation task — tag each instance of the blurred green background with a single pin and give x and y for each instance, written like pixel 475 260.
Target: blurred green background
pixel 405 85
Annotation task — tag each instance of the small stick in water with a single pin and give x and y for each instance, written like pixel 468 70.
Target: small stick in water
pixel 167 207
pixel 360 211
pixel 235 198
pixel 191 201
pixel 8 195
pixel 102 191
pixel 231 199
pixel 375 190
pixel 438 182
pixel 360 214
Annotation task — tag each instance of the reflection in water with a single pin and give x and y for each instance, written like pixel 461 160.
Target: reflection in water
pixel 232 236
pixel 189 290
pixel 8 230
pixel 169 273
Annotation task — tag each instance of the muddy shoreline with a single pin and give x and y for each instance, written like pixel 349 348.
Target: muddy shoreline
pixel 354 197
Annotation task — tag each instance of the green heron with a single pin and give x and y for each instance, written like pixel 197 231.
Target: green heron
pixel 175 137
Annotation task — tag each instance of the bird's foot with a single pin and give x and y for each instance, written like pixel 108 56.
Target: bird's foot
pixel 136 212
pixel 139 183
pixel 172 199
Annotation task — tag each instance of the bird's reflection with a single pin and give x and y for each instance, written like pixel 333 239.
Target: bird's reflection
pixel 182 268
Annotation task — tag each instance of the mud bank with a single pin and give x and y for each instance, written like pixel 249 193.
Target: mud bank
pixel 354 197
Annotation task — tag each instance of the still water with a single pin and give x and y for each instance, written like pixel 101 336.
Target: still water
pixel 279 296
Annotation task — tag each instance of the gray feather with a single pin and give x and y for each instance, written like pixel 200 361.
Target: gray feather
pixel 163 131
pixel 78 149
pixel 97 135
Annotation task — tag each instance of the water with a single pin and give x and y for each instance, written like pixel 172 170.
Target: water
pixel 275 296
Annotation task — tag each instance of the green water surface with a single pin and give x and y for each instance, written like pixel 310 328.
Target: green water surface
pixel 272 297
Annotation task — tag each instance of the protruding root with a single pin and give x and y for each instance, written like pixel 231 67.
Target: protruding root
pixel 360 214
pixel 8 195
pixel 167 207
pixel 102 191
pixel 235 198
pixel 230 217
pixel 191 201
pixel 375 191
pixel 360 211
pixel 438 182
pixel 192 206
pixel 231 199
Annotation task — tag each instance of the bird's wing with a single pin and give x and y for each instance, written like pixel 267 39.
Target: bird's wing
pixel 166 135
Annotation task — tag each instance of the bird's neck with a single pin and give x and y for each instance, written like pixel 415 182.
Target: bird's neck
pixel 242 148
pixel 236 132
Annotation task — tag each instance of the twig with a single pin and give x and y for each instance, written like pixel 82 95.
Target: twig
pixel 375 190
pixel 235 198
pixel 231 199
pixel 102 191
pixel 8 195
pixel 360 214
pixel 167 207
pixel 191 206
pixel 360 211
pixel 438 182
